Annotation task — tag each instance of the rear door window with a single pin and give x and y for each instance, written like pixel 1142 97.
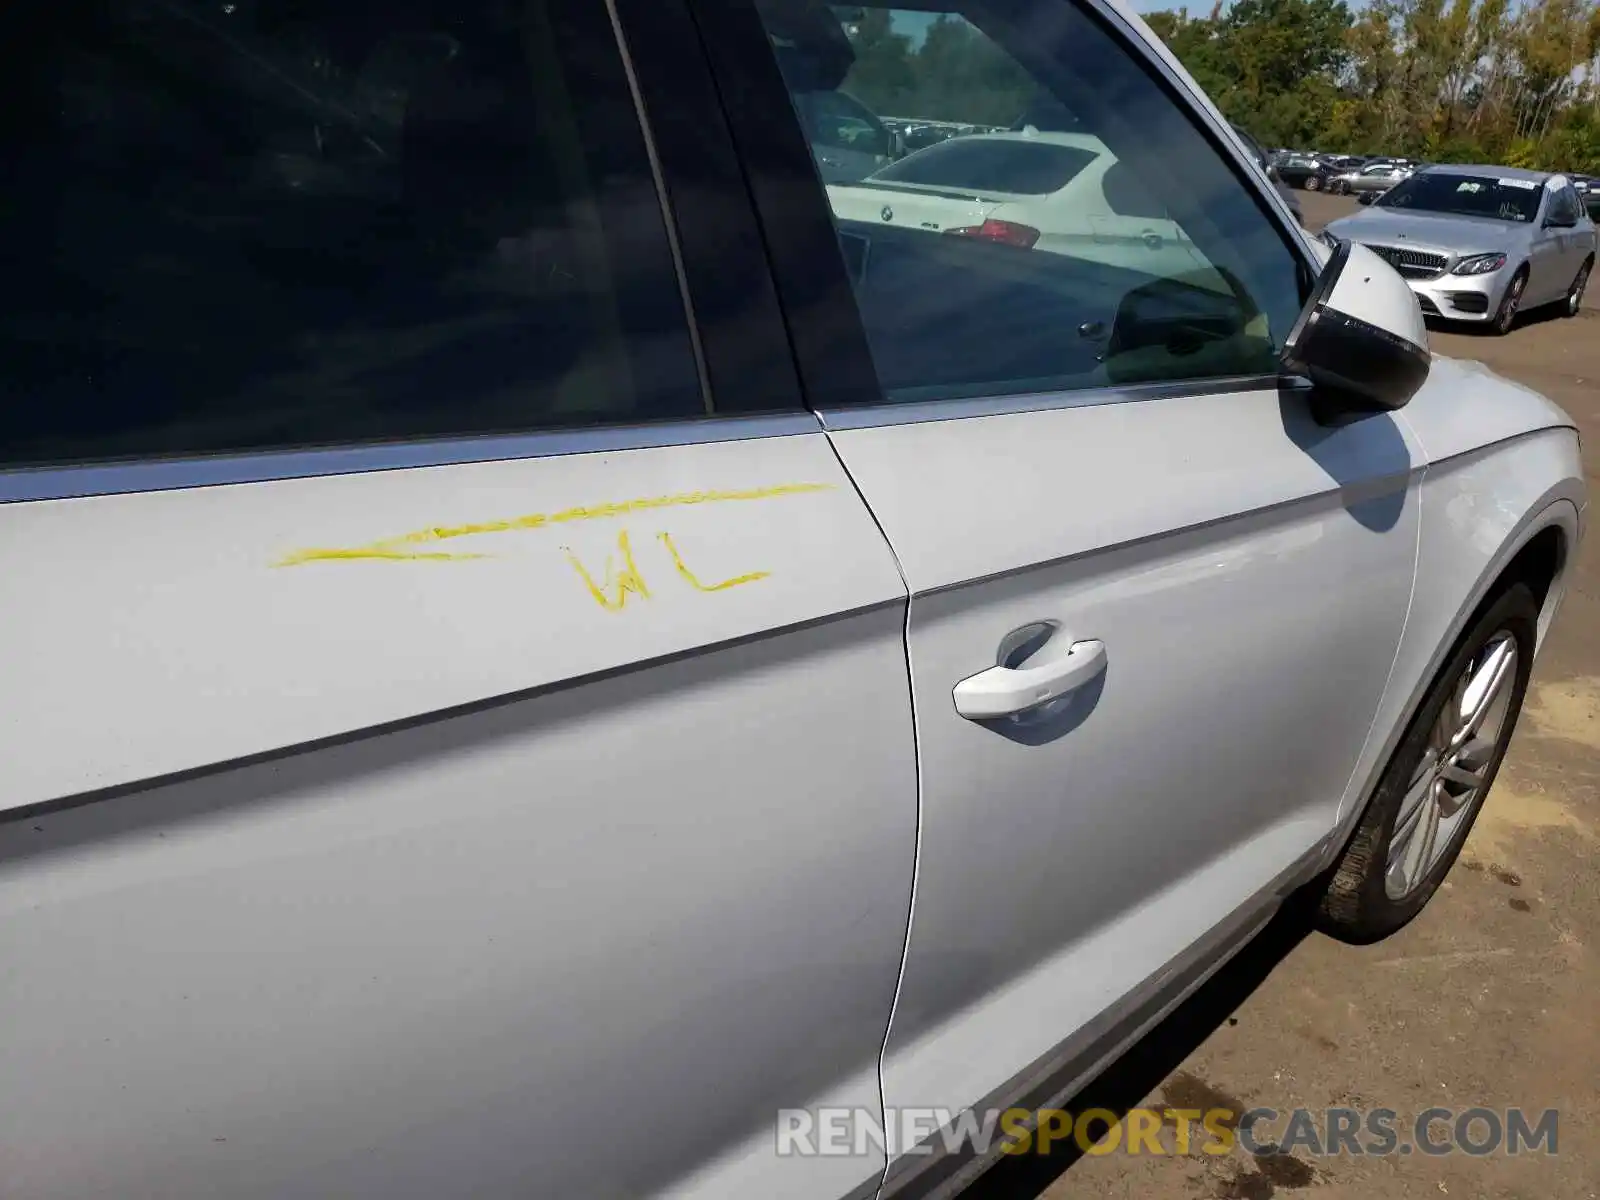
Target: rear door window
pixel 245 227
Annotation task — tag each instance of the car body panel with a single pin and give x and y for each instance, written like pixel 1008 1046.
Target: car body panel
pixel 1503 465
pixel 1196 577
pixel 642 797
pixel 146 630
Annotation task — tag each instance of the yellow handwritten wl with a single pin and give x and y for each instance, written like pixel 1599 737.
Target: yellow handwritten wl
pixel 613 593
pixel 688 576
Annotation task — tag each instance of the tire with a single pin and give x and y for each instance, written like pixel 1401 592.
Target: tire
pixel 1313 183
pixel 1371 893
pixel 1340 189
pixel 1506 315
pixel 1574 300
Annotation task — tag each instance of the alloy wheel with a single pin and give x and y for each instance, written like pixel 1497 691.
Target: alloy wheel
pixel 1575 294
pixel 1450 780
pixel 1507 315
pixel 1312 183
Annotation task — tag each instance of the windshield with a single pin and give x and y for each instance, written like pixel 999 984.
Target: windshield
pixel 1021 168
pixel 1466 196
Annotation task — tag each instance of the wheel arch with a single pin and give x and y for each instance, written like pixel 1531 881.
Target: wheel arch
pixel 1537 550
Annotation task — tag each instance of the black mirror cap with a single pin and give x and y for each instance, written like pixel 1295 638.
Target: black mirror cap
pixel 1357 368
pixel 1366 197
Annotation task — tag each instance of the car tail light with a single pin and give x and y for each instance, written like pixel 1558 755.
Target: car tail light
pixel 1008 232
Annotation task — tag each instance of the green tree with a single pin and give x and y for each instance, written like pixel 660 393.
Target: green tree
pixel 1450 80
pixel 882 77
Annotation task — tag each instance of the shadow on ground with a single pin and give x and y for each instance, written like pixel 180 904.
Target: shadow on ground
pixel 1153 1061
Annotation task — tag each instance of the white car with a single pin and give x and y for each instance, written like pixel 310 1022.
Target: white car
pixel 1060 192
pixel 525 671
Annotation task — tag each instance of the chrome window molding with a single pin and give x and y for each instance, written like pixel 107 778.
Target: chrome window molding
pixel 66 482
pixel 956 409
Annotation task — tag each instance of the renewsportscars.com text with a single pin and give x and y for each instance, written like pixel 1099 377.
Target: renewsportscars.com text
pixel 1475 1131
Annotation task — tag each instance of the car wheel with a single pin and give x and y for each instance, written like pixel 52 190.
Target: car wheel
pixel 1575 292
pixel 1434 786
pixel 1506 315
pixel 1313 183
pixel 1340 189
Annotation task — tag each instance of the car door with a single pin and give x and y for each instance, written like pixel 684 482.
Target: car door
pixel 1577 239
pixel 456 737
pixel 1167 599
pixel 1547 265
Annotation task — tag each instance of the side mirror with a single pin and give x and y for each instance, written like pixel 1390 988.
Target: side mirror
pixel 1272 173
pixel 1366 197
pixel 1360 338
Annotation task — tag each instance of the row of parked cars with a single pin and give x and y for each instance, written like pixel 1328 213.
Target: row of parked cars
pixel 1372 174
pixel 1341 174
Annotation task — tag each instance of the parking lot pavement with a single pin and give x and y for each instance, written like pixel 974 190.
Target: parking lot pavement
pixel 1490 998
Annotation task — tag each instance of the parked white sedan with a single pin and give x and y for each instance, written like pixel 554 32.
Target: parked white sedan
pixel 1061 192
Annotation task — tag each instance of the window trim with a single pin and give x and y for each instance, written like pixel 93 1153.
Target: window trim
pixel 23 484
pixel 829 342
pixel 835 363
pixel 961 408
pixel 731 296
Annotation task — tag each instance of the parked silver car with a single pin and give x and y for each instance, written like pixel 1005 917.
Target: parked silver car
pixel 1368 179
pixel 1480 243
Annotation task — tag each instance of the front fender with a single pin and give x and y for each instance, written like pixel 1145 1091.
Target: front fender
pixel 1479 510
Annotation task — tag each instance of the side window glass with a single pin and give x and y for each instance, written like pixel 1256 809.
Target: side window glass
pixel 1081 231
pixel 249 226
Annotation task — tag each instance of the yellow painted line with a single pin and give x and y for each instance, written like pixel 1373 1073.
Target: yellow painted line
pixel 400 548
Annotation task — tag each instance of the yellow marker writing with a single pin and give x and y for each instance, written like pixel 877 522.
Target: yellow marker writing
pixel 692 581
pixel 401 547
pixel 627 580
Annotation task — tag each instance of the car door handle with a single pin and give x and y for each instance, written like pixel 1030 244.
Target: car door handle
pixel 1006 691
